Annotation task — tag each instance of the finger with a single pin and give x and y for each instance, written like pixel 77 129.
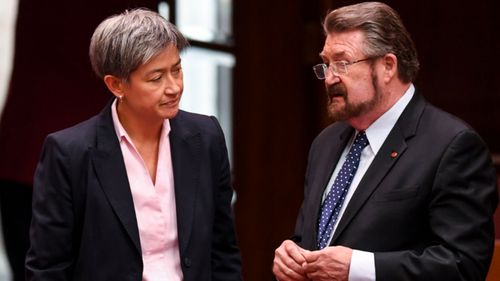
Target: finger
pixel 295 252
pixel 286 261
pixel 303 251
pixel 308 268
pixel 314 276
pixel 285 273
pixel 311 256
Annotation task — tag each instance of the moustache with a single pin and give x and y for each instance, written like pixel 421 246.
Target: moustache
pixel 337 90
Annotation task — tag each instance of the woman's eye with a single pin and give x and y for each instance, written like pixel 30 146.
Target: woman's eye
pixel 176 70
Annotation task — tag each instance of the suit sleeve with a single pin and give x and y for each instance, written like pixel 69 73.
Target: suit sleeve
pixel 299 224
pixel 461 205
pixel 226 262
pixel 50 256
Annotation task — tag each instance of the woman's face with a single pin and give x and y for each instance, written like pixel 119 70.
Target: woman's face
pixel 154 90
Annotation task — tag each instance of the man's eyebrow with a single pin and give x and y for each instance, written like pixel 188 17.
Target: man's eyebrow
pixel 338 54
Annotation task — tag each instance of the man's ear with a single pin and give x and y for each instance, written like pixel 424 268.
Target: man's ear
pixel 115 85
pixel 390 62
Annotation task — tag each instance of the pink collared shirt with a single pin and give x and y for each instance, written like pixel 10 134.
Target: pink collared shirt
pixel 154 206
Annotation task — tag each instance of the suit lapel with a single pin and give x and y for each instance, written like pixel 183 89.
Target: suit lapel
pixel 185 148
pixel 111 173
pixel 404 129
pixel 332 157
pixel 329 158
pixel 379 168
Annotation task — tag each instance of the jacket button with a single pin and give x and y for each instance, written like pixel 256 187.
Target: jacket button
pixel 187 262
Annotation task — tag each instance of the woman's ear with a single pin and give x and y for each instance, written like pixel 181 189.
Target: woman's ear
pixel 390 62
pixel 115 85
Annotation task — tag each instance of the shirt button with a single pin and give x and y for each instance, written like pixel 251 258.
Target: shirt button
pixel 187 262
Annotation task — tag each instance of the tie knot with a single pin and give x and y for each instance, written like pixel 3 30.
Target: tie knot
pixel 361 140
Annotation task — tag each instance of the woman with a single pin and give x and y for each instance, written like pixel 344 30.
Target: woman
pixel 142 190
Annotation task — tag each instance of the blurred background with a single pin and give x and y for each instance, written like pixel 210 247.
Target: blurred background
pixel 249 65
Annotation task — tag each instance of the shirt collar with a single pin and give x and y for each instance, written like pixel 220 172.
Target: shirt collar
pixel 121 134
pixel 380 129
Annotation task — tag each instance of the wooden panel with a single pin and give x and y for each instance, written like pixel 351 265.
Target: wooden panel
pixel 494 273
pixel 497 218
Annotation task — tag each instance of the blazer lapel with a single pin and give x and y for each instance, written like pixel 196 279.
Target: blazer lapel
pixel 185 149
pixel 330 157
pixel 404 129
pixel 111 173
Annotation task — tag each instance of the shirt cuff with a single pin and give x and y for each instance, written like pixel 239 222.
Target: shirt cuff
pixel 362 266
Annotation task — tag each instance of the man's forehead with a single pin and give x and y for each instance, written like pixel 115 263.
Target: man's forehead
pixel 341 44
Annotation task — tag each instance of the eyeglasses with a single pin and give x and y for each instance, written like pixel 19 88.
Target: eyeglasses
pixel 337 68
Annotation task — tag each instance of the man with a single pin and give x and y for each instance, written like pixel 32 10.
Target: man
pixel 141 191
pixel 395 189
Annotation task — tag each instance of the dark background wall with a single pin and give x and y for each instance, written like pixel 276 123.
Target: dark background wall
pixel 52 84
pixel 279 106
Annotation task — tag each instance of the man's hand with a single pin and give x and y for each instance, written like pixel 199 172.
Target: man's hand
pixel 288 261
pixel 330 263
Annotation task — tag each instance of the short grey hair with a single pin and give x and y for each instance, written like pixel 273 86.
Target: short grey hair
pixel 123 42
pixel 384 33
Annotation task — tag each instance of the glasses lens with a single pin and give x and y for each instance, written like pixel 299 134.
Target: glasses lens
pixel 320 70
pixel 340 68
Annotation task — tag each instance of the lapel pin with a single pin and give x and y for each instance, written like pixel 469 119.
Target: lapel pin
pixel 394 154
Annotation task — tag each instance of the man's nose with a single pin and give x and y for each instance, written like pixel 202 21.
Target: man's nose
pixel 331 79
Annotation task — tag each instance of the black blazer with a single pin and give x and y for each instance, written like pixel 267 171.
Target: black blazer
pixel 426 213
pixel 84 225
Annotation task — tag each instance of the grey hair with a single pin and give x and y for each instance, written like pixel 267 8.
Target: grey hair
pixel 384 33
pixel 123 42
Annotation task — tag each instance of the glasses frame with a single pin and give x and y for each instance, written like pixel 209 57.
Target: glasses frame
pixel 337 68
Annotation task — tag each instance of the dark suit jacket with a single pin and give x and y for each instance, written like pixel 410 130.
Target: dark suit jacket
pixel 84 225
pixel 426 213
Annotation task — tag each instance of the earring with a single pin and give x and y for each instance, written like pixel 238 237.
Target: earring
pixel 120 99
